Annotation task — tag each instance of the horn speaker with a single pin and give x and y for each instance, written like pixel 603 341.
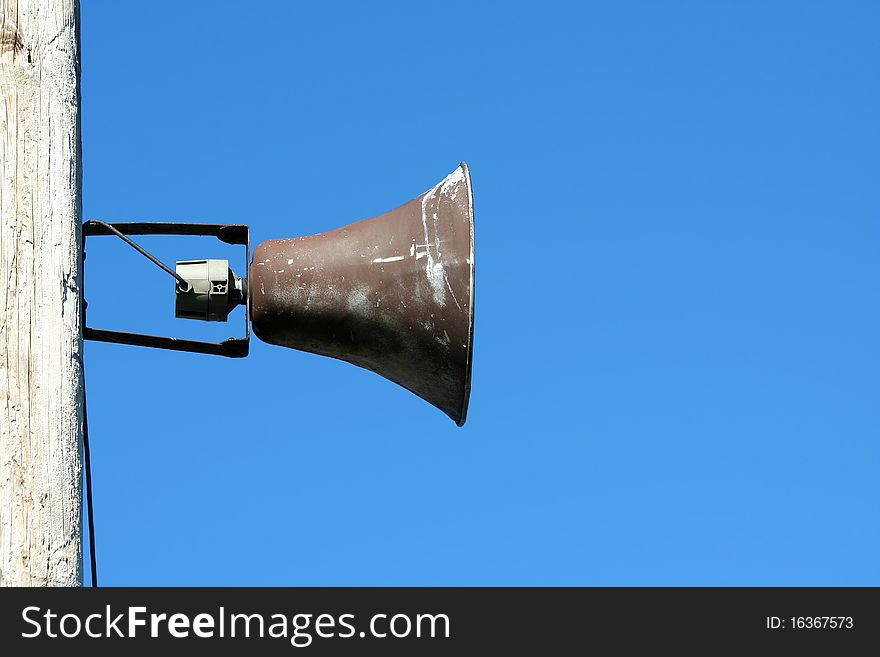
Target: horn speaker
pixel 393 294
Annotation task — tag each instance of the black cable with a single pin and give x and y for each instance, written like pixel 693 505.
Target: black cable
pixel 144 252
pixel 89 506
pixel 87 452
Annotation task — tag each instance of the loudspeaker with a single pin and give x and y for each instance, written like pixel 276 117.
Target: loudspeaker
pixel 393 294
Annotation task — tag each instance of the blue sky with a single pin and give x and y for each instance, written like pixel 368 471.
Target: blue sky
pixel 676 350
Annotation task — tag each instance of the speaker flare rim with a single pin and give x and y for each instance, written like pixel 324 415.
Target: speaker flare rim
pixel 470 348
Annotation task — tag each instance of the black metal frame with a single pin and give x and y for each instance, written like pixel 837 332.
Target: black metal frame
pixel 229 233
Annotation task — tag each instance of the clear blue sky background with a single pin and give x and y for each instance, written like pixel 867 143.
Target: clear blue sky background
pixel 677 360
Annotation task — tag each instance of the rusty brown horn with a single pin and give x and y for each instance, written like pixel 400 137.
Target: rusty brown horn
pixel 393 294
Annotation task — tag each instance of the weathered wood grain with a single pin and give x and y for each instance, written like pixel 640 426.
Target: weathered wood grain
pixel 40 333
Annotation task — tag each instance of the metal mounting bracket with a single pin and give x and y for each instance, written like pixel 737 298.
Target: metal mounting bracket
pixel 229 233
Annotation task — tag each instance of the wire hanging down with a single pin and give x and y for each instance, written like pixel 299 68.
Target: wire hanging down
pixel 184 284
pixel 90 510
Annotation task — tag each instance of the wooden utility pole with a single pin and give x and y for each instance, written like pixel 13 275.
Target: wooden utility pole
pixel 40 327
